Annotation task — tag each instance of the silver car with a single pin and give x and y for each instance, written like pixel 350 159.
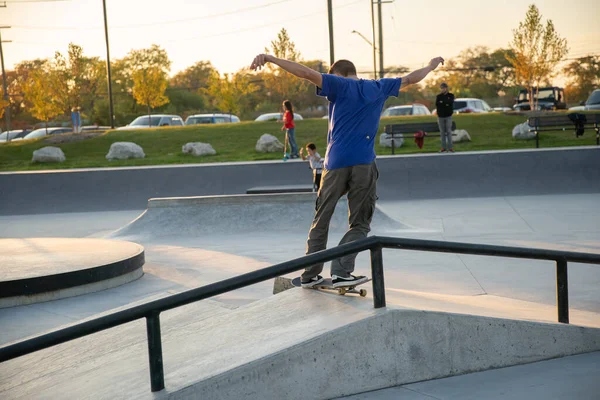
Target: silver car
pixel 592 103
pixel 154 121
pixel 276 117
pixel 198 119
pixel 38 133
pixel 413 109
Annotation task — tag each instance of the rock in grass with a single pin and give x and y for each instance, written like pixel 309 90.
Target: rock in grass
pixel 268 144
pixel 198 149
pixel 385 140
pixel 124 150
pixel 521 131
pixel 48 154
pixel 460 135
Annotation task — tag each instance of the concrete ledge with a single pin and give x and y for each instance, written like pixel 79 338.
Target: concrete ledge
pixel 42 269
pixel 281 189
pixel 240 214
pixel 296 343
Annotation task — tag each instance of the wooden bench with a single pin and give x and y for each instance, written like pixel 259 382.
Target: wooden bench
pixel 398 130
pixel 562 122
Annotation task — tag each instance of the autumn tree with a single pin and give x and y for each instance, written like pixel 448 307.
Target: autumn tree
pixel 229 92
pixel 44 105
pixel 77 79
pixel 583 77
pixel 149 87
pixel 279 83
pixel 537 50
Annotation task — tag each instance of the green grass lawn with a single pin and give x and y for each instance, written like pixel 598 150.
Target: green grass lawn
pixel 236 142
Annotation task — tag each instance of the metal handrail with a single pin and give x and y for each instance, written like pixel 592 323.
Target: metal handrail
pixel 375 244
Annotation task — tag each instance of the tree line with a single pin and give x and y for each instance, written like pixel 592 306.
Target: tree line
pixel 48 89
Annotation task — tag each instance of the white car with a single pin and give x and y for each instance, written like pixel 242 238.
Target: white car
pixel 154 121
pixel 38 133
pixel 469 105
pixel 592 103
pixel 411 109
pixel 13 135
pixel 211 119
pixel 276 117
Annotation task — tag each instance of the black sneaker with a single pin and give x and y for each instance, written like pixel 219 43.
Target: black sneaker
pixel 339 281
pixel 312 282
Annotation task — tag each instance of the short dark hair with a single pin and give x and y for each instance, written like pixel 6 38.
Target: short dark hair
pixel 311 146
pixel 343 67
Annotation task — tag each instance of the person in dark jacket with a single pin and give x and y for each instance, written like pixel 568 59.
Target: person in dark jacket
pixel 444 104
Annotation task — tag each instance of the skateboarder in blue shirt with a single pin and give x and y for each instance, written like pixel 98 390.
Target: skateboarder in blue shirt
pixel 354 109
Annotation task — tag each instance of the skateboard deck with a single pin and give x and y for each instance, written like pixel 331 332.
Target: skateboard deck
pixel 328 286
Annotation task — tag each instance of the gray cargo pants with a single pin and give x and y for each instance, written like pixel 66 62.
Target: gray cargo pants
pixel 445 125
pixel 360 182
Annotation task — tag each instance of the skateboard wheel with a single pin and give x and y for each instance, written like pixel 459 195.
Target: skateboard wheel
pixel 363 292
pixel 342 291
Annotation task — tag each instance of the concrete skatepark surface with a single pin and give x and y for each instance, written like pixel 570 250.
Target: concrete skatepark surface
pixel 557 211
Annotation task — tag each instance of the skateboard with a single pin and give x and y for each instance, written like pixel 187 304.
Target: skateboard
pixel 327 285
pixel 286 155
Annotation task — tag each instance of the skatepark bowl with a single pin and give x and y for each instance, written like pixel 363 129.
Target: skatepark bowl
pixel 482 261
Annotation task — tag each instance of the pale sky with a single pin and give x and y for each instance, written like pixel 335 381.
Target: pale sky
pixel 230 33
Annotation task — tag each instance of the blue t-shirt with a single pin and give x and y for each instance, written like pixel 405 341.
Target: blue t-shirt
pixel 354 110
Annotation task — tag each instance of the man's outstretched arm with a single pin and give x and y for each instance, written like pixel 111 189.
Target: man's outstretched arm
pixel 293 68
pixel 420 74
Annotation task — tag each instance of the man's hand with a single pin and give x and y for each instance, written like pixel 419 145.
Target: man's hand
pixel 433 64
pixel 259 61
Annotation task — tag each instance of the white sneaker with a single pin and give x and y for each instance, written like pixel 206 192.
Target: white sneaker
pixel 339 281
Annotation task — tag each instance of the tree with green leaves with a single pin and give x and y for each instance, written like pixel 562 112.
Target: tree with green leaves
pixel 228 93
pixel 583 77
pixel 149 87
pixel 537 49
pixel 279 83
pixel 77 79
pixel 44 105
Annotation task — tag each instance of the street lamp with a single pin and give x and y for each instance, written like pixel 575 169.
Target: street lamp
pixel 374 52
pixel 7 111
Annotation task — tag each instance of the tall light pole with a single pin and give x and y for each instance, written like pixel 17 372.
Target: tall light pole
pixel 330 18
pixel 380 40
pixel 380 23
pixel 7 108
pixel 110 96
pixel 373 40
pixel 374 49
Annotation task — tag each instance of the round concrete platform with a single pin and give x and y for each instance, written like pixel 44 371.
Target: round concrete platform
pixel 34 270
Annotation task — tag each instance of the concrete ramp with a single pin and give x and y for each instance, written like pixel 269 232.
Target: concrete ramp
pixel 240 214
pixel 299 344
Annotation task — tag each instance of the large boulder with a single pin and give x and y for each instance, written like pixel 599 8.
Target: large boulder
pixel 124 150
pixel 268 144
pixel 48 154
pixel 460 135
pixel 521 131
pixel 198 149
pixel 385 140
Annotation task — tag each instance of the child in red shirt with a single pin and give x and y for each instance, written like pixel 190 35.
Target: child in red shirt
pixel 290 127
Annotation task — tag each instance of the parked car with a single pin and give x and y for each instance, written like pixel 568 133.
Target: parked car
pixel 469 105
pixel 38 133
pixel 13 134
pixel 276 117
pixel 411 109
pixel 501 109
pixel 211 119
pixel 154 121
pixel 548 98
pixel 592 103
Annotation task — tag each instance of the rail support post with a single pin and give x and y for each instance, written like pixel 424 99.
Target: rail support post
pixel 562 291
pixel 377 274
pixel 157 378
